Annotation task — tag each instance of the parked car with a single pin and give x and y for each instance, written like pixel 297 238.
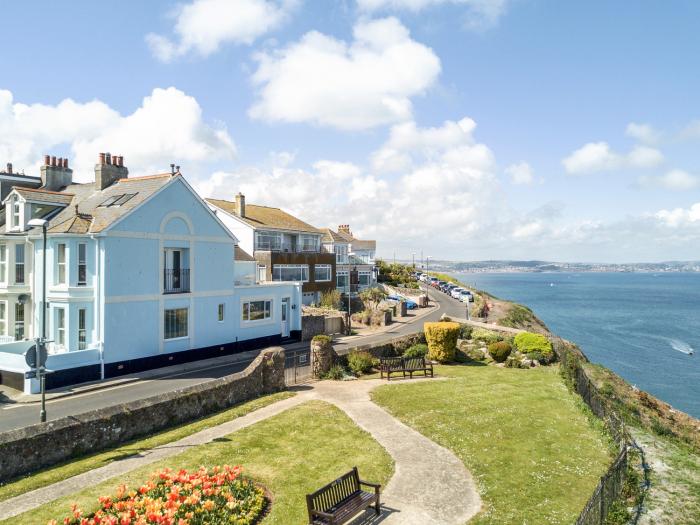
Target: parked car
pixel 398 298
pixel 465 296
pixel 456 292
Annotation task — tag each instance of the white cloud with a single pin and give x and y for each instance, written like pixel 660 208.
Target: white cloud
pixel 680 217
pixel 643 133
pixel 366 83
pixel 168 127
pixel 480 13
pixel 677 180
pixel 202 26
pixel 598 156
pixel 520 173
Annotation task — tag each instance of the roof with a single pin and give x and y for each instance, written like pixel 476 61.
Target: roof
pixel 91 210
pixel 357 244
pixel 331 236
pixel 242 255
pixel 265 217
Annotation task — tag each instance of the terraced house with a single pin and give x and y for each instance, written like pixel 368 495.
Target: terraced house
pixel 140 273
pixel 352 255
pixel 286 248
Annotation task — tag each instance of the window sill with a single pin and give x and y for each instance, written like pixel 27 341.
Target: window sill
pixel 176 339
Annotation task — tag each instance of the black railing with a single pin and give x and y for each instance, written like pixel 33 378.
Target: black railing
pixel 176 281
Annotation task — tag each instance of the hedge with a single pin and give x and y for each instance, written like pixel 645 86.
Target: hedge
pixel 442 340
pixel 527 343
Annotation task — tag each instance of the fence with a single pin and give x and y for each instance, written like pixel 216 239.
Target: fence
pixel 612 483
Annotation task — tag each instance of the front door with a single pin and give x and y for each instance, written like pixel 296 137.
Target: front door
pixel 285 317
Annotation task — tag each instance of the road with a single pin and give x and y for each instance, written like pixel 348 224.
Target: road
pixel 18 415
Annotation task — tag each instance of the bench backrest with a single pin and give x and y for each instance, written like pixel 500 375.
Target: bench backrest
pixel 414 362
pixel 391 362
pixel 336 491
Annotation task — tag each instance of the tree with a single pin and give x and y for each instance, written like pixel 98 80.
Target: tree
pixel 372 297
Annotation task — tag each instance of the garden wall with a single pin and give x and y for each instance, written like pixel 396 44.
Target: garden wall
pixel 392 347
pixel 30 448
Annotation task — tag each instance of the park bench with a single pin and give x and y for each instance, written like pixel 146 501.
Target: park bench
pixel 404 365
pixel 341 500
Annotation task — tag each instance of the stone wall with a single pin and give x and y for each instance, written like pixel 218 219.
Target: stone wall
pixel 392 347
pixel 31 448
pixel 311 325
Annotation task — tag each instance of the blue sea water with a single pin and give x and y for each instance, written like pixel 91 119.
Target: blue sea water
pixel 640 325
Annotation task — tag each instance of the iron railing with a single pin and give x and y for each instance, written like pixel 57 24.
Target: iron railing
pixel 176 281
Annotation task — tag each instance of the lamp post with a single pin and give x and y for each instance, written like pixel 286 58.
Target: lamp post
pixel 413 259
pixel 427 272
pixel 41 341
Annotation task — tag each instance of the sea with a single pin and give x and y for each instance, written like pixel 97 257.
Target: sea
pixel 643 326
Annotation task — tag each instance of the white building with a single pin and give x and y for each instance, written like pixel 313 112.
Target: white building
pixel 140 274
pixel 351 254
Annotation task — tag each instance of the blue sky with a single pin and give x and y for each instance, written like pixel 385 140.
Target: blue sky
pixel 586 114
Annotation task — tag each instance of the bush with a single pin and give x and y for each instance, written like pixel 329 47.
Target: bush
pixel 336 373
pixel 372 298
pixel 322 339
pixel 360 362
pixel 499 351
pixel 529 343
pixel 487 336
pixel 419 350
pixel 465 331
pixel 331 299
pixel 442 340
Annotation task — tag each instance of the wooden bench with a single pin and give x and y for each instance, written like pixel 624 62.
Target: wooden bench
pixel 404 365
pixel 341 500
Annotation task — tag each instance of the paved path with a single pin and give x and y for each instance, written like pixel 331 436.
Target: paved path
pixel 430 485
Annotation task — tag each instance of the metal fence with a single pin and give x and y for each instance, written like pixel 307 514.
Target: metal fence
pixel 612 483
pixel 297 366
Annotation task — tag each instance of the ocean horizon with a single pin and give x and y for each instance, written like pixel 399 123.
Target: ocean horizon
pixel 643 326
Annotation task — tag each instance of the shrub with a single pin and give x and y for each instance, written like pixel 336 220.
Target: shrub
pixel 372 297
pixel 465 331
pixel 177 497
pixel 360 362
pixel 528 343
pixel 322 339
pixel 419 350
pixel 336 373
pixel 442 340
pixel 487 336
pixel 499 351
pixel 331 299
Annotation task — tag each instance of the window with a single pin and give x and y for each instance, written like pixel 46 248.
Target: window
pixel 19 263
pixel 341 279
pixel 19 321
pixel 82 264
pixel 322 272
pixel 364 278
pixel 262 273
pixel 290 272
pixel 82 331
pixel 220 315
pixel 61 327
pixel 3 318
pixel 61 264
pixel 176 323
pixel 117 200
pixel 16 209
pixel 341 253
pixel 308 243
pixel 268 241
pixel 3 263
pixel 256 310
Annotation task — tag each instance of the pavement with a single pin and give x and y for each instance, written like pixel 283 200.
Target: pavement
pixel 18 410
pixel 452 498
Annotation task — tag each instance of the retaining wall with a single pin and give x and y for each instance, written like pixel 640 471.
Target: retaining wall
pixel 30 448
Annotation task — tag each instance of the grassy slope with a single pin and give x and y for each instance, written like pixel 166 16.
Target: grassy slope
pixel 78 466
pixel 534 451
pixel 292 454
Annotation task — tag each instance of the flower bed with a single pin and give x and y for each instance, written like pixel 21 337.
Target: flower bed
pixel 216 496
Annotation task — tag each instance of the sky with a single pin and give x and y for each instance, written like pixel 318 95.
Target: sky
pixel 460 129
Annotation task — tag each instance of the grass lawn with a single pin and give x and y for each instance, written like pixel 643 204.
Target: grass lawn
pixel 535 452
pixel 78 466
pixel 292 454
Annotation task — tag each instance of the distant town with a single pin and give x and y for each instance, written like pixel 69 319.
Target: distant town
pixel 547 266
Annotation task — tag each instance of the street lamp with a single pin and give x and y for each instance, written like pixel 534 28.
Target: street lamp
pixel 413 255
pixel 41 341
pixel 427 272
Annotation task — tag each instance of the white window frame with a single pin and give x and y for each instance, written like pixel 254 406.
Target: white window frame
pixel 82 264
pixel 246 310
pixel 16 213
pixel 221 312
pixel 61 255
pixel 20 248
pixel 82 328
pixel 22 323
pixel 3 263
pixel 318 267
pixel 364 273
pixel 61 327
pixel 273 242
pixel 262 273
pixel 308 243
pixel 178 333
pixel 304 268
pixel 3 317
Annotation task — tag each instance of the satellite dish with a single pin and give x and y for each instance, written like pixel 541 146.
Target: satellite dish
pixel 23 298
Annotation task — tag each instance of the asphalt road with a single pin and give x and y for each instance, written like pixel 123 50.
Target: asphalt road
pixel 17 415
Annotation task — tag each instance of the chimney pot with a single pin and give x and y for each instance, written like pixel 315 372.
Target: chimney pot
pixel 102 158
pixel 65 163
pixel 120 161
pixel 9 168
pixel 53 161
pixel 172 169
pixel 47 160
pixel 59 162
pixel 108 158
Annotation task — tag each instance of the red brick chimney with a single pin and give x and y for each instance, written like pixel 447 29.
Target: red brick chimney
pixel 55 173
pixel 109 169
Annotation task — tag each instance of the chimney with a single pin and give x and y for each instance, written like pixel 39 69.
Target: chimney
pixel 55 175
pixel 109 169
pixel 344 228
pixel 9 168
pixel 240 204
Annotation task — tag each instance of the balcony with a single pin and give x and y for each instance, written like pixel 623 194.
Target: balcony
pixel 176 281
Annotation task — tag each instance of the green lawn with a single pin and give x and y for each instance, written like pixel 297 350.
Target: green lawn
pixel 78 466
pixel 534 451
pixel 292 454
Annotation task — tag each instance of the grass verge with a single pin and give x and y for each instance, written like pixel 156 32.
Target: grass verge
pixel 78 466
pixel 291 454
pixel 534 449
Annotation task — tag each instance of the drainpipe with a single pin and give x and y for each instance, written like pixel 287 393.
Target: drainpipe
pixel 98 304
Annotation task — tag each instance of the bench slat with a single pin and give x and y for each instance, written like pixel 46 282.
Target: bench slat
pixel 342 499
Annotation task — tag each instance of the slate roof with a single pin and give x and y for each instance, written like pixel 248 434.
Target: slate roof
pixel 265 217
pixel 331 236
pixel 242 255
pixel 357 244
pixel 84 211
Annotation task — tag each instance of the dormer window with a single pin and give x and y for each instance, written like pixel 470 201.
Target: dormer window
pixel 16 214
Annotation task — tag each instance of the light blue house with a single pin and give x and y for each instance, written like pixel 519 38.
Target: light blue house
pixel 140 274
